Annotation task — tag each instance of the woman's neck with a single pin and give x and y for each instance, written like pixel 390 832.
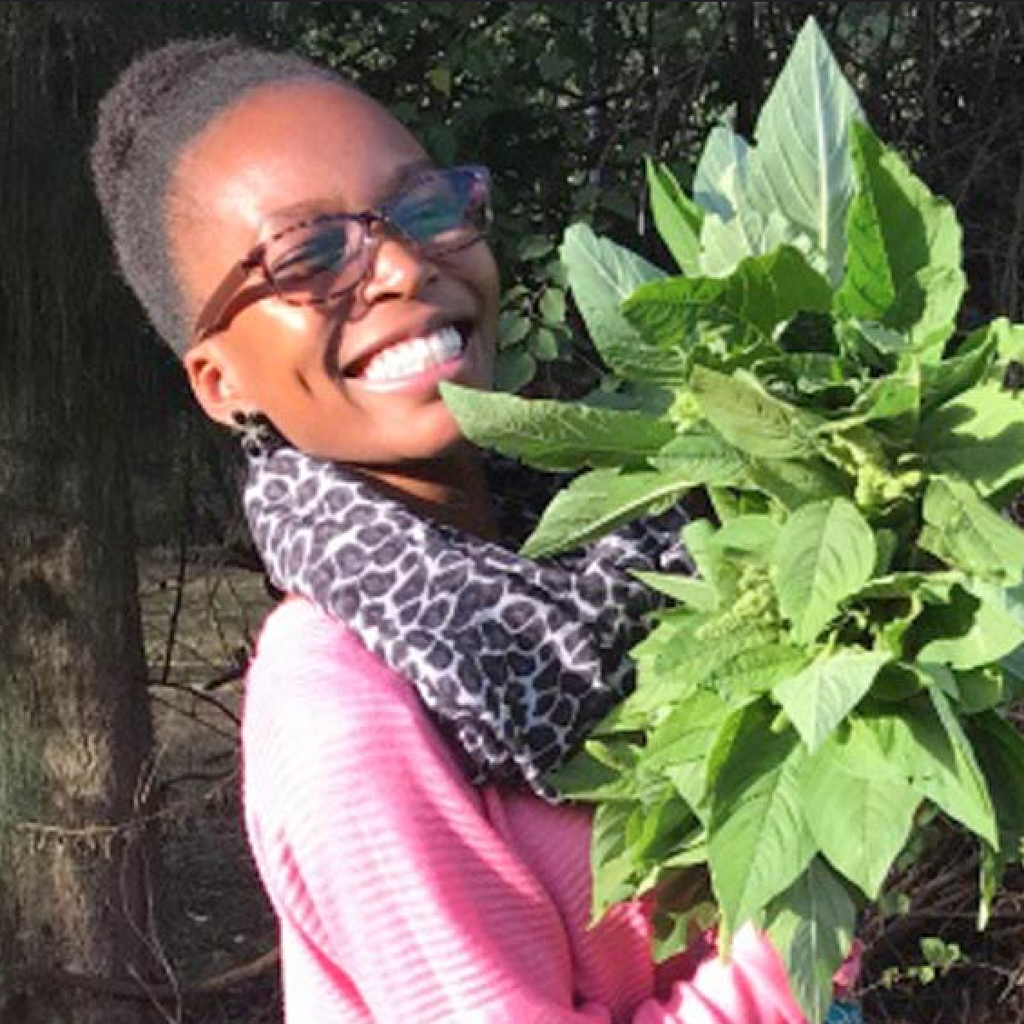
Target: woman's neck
pixel 452 490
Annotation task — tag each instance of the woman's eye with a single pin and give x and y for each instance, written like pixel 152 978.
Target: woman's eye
pixel 428 220
pixel 320 250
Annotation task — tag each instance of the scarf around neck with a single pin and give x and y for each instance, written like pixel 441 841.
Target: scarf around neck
pixel 515 659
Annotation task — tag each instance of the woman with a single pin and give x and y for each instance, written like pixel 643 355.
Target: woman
pixel 319 277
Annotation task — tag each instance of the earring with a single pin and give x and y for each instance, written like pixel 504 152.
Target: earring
pixel 257 434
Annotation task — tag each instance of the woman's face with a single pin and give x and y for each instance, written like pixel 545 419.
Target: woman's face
pixel 321 373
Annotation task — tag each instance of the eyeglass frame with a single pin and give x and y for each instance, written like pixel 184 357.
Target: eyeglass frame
pixel 217 310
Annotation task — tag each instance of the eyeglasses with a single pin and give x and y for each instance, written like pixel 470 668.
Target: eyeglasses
pixel 318 260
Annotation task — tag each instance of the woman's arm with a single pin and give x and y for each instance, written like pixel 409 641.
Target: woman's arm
pixel 388 877
pixel 376 853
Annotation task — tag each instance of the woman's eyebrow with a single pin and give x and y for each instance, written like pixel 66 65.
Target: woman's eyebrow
pixel 408 172
pixel 336 203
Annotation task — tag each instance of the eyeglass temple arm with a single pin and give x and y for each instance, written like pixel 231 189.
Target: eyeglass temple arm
pixel 210 316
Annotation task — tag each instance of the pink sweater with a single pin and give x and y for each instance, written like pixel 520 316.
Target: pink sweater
pixel 407 896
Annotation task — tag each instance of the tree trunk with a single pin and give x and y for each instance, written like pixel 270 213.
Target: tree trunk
pixel 75 735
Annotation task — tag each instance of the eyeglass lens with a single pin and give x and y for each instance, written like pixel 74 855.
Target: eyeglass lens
pixel 327 256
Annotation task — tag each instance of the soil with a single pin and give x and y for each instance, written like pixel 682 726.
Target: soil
pixel 217 918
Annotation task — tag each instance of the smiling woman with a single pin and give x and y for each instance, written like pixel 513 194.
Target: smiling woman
pixel 320 277
pixel 275 169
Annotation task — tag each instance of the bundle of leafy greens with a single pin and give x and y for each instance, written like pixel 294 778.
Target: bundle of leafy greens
pixel 841 667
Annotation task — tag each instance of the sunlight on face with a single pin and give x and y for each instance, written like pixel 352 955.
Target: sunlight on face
pixel 313 146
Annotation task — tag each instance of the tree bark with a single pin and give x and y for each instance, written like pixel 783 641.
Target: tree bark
pixel 75 734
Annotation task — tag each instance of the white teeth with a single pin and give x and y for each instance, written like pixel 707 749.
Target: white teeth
pixel 415 355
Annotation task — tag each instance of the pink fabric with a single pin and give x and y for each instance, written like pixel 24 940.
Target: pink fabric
pixel 406 895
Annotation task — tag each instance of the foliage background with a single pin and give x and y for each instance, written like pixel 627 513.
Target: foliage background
pixel 562 100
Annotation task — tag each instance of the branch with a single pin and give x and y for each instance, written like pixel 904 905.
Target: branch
pixel 201 694
pixel 179 593
pixel 115 988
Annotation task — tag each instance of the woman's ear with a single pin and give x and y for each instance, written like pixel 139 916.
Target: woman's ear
pixel 213 381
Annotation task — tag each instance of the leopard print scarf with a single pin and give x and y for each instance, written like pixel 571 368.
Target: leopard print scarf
pixel 515 659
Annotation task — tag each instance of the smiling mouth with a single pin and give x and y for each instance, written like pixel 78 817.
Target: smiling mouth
pixel 412 356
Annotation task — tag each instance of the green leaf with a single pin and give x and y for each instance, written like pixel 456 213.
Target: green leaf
pixel 894 397
pixel 654 830
pixel 748 417
pixel 676 217
pixel 584 777
pixel 1008 338
pixel 630 396
pixel 678 748
pixel 970 631
pixel 756 668
pixel 696 594
pixel 730 502
pixel 803 165
pixel 1000 750
pixel 598 502
pixel 726 243
pixel 903 266
pixel 611 863
pixel 513 328
pixel 440 77
pixel 961 791
pixel 933 587
pixel 601 276
pixel 813 376
pixel 964 532
pixel 978 436
pixel 824 693
pixel 552 305
pixel 554 435
pixel 756 534
pixel 699 537
pixel 982 689
pixel 990 877
pixel 939 954
pixel 741 310
pixel 673 928
pixel 826 552
pixel 885 340
pixel 702 455
pixel 514 370
pixel 743 656
pixel 794 483
pixel 616 752
pixel 660 684
pixel 758 840
pixel 534 247
pixel 721 181
pixel 544 345
pixel 811 925
pixel 929 748
pixel 859 807
pixel 946 379
pixel 722 640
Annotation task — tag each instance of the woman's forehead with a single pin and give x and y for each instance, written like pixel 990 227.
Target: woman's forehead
pixel 300 145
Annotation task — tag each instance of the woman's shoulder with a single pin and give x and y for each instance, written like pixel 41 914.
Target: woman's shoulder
pixel 308 665
pixel 323 716
pixel 297 634
pixel 296 619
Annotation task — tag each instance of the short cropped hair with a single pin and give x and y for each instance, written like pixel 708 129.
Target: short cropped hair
pixel 159 104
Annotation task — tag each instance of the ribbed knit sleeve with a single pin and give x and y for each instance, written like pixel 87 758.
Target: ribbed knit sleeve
pixel 403 897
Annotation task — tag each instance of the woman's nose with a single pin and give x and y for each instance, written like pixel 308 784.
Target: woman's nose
pixel 398 267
